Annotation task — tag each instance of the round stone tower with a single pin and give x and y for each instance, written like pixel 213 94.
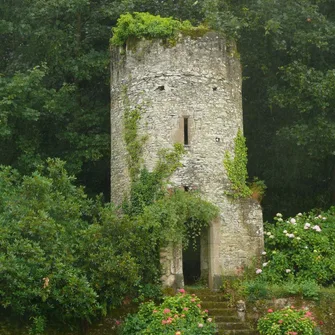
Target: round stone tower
pixel 189 93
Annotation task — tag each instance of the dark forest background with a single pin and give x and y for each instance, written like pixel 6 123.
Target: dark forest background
pixel 54 88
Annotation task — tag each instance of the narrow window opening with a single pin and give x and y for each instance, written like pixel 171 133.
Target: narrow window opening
pixel 185 131
pixel 215 88
pixel 186 188
pixel 160 88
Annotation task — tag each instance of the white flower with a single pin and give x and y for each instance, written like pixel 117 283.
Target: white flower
pixel 298 238
pixel 285 231
pixel 290 235
pixel 287 270
pixel 265 264
pixel 280 220
pixel 265 233
pixel 272 236
pixel 307 225
pixel 320 216
pixel 306 247
pixel 324 218
pixel 200 325
pixel 258 271
pixel 293 221
pixel 299 214
pixel 268 233
pixel 279 215
pixel 316 228
pixel 264 253
pixel 209 320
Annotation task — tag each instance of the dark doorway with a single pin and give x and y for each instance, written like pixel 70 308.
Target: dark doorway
pixel 191 263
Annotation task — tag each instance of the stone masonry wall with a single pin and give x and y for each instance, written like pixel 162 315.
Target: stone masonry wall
pixel 198 79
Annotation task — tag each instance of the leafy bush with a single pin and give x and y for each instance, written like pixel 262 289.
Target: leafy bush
pixel 54 262
pixel 288 321
pixel 180 314
pixel 300 248
pixel 259 289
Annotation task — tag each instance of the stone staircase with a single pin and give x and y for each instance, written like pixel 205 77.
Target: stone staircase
pixel 225 316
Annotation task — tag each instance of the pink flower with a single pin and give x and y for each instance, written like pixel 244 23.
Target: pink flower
pixel 192 300
pixel 182 291
pixel 154 311
pixel 280 321
pixel 166 311
pixel 199 305
pixel 185 309
pixel 258 271
pixel 117 322
pixel 163 322
pixel 270 310
pixel 200 325
pixel 206 310
pixel 183 315
pixel 193 295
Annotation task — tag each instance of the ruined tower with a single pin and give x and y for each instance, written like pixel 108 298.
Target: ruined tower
pixel 192 94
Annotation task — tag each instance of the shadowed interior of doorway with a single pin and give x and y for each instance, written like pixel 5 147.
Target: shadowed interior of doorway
pixel 191 263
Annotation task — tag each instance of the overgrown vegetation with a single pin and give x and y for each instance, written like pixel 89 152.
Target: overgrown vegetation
pixel 289 321
pixel 180 314
pixel 145 25
pixel 236 168
pixel 300 248
pixel 71 259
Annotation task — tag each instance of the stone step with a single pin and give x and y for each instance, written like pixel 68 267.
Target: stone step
pixel 226 318
pixel 215 304
pixel 222 312
pixel 231 325
pixel 237 332
pixel 212 297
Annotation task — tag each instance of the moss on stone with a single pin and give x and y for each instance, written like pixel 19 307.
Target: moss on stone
pixel 131 28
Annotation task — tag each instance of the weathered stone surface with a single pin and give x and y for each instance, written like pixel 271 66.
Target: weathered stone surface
pixel 198 79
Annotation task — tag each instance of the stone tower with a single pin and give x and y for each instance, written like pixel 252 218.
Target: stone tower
pixel 192 95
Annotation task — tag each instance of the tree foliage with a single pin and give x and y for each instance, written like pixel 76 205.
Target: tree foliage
pixel 287 52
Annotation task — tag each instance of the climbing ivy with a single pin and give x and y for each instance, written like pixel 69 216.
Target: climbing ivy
pixel 167 214
pixel 134 143
pixel 236 168
pixel 139 25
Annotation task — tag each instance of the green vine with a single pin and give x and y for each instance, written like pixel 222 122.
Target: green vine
pixel 236 168
pixel 144 25
pixel 168 215
pixel 134 143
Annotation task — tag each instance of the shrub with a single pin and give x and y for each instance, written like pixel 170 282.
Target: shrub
pixel 300 248
pixel 54 263
pixel 180 314
pixel 287 321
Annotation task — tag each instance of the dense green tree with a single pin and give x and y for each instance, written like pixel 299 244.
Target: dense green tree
pixel 54 91
pixel 287 51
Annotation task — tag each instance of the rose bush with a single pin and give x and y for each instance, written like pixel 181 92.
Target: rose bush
pixel 287 321
pixel 180 314
pixel 300 247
